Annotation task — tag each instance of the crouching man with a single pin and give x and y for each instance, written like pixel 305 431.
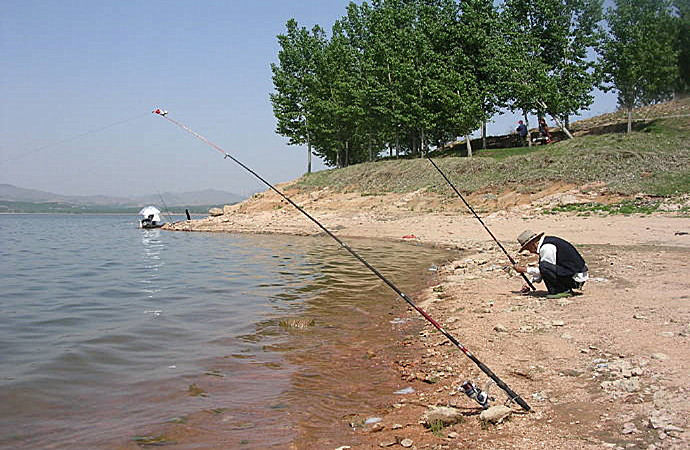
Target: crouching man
pixel 560 265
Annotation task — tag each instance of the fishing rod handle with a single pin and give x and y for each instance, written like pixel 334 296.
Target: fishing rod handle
pixel 511 394
pixel 529 283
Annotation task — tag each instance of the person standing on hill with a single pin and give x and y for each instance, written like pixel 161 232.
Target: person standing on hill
pixel 560 265
pixel 522 131
pixel 544 130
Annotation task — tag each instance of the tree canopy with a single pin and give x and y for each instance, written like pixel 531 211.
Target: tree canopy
pixel 400 76
pixel 640 57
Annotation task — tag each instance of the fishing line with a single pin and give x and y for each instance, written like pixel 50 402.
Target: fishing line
pixel 167 210
pixel 69 139
pixel 510 258
pixel 511 394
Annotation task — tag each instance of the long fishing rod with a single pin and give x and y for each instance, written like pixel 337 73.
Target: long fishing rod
pixel 166 206
pixel 510 258
pixel 511 394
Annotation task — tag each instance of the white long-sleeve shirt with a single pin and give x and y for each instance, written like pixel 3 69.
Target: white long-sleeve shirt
pixel 547 253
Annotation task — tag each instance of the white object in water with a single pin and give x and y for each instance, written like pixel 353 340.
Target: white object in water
pixel 151 210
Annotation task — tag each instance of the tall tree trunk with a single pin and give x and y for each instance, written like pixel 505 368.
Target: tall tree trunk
pixel 306 125
pixel 629 119
pixel 371 153
pixel 308 156
pixel 397 145
pixel 529 135
pixel 558 122
pixel 347 153
pixel 469 145
pixel 484 134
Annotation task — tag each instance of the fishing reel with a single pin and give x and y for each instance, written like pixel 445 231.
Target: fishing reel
pixel 480 396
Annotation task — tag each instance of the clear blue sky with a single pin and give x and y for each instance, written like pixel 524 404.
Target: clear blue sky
pixel 74 66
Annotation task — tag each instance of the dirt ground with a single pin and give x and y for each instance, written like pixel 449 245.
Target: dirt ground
pixel 606 369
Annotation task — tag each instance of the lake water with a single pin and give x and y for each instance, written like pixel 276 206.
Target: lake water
pixel 115 337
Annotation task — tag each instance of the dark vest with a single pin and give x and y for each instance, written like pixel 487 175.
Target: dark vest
pixel 568 260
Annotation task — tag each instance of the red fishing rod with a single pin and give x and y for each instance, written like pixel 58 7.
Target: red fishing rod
pixel 510 258
pixel 511 394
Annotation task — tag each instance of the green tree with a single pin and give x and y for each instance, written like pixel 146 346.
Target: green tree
pixel 295 82
pixel 640 58
pixel 551 41
pixel 483 43
pixel 338 112
pixel 683 47
pixel 574 71
pixel 526 71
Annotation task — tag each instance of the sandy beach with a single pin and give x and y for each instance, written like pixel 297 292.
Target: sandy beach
pixel 605 369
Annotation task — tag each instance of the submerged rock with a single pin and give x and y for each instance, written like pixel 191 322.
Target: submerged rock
pixel 296 323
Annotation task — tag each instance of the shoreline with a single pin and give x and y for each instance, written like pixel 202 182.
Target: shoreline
pixel 601 369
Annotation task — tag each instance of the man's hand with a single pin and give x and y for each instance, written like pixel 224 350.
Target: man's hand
pixel 520 269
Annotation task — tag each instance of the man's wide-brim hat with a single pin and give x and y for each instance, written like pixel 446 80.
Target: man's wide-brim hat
pixel 526 237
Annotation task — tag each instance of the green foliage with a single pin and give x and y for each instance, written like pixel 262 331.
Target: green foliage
pixel 683 44
pixel 395 73
pixel 436 428
pixel 640 58
pixel 295 80
pixel 550 69
pixel 402 76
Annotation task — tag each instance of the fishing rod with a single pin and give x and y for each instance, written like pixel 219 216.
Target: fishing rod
pixel 511 394
pixel 166 206
pixel 510 258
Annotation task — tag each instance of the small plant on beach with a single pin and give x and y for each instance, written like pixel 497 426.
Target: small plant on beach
pixel 436 428
pixel 624 207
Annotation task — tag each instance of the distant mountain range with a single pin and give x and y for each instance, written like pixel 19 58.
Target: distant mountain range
pixel 17 199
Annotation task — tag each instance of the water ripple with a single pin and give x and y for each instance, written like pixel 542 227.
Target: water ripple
pixel 109 325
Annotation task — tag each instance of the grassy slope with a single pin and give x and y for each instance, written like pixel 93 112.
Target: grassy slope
pixel 654 160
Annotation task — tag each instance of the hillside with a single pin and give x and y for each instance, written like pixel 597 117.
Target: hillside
pixel 655 160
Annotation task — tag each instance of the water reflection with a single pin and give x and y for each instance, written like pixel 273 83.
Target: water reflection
pixel 152 246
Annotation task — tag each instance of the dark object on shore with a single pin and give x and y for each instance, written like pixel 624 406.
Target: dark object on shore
pixel 511 394
pixel 476 394
pixel 510 258
pixel 186 211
